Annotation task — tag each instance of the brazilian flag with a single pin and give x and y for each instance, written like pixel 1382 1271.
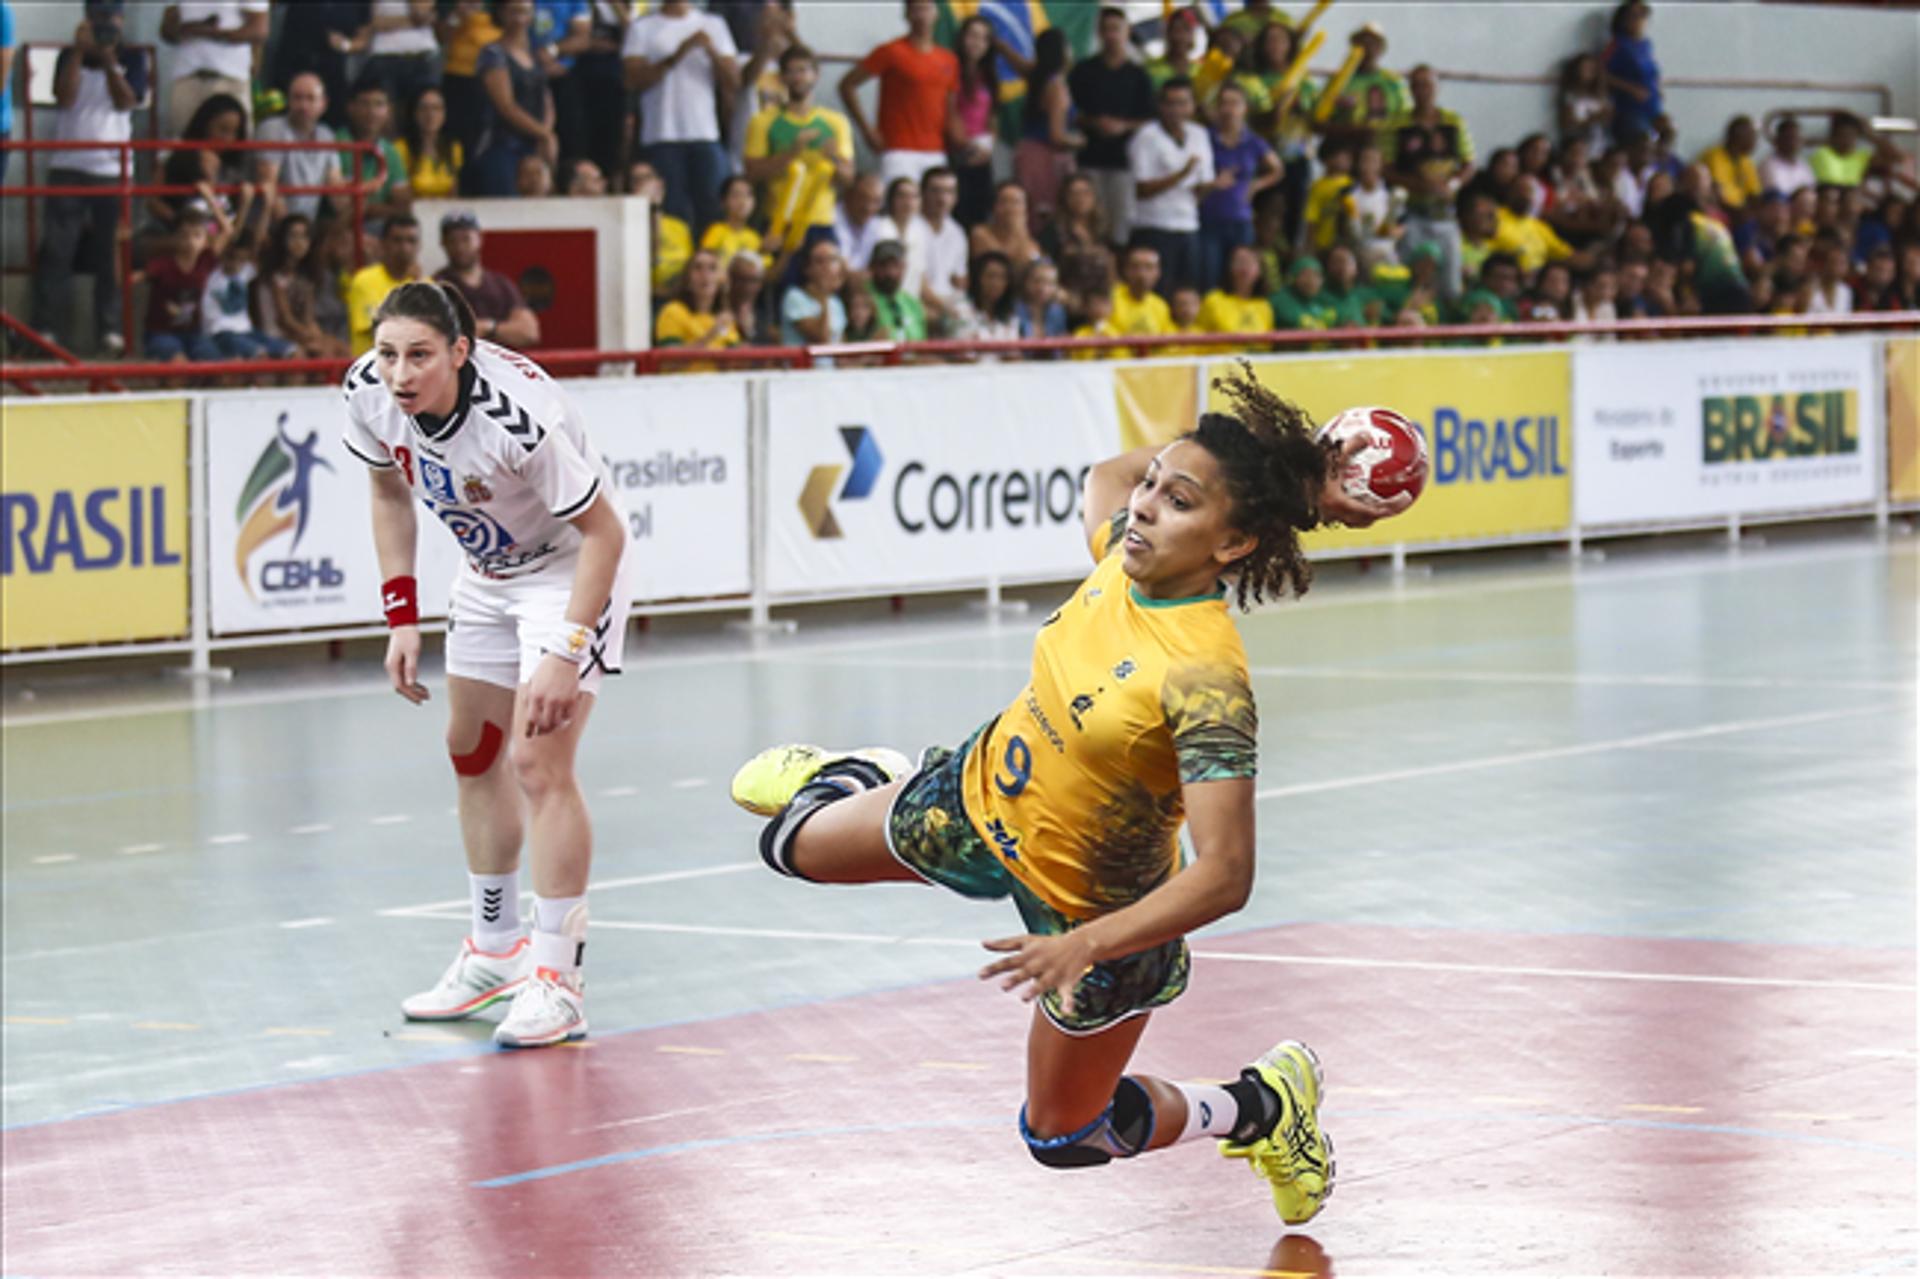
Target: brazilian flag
pixel 1018 22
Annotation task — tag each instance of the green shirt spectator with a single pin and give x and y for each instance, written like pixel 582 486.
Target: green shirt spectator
pixel 893 305
pixel 1843 161
pixel 1303 304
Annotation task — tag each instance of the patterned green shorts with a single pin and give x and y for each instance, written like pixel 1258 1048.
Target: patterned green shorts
pixel 930 832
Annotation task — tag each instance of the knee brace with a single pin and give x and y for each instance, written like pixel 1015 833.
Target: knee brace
pixel 838 780
pixel 478 760
pixel 1122 1131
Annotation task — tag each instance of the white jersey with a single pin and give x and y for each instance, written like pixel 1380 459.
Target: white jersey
pixel 506 470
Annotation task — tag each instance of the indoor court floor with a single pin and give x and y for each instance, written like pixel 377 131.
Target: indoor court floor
pixel 1593 885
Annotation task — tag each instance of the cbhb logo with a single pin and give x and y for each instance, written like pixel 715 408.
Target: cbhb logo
pixel 278 496
pixel 816 499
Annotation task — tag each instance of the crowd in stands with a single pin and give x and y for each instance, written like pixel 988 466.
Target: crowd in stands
pixel 1214 187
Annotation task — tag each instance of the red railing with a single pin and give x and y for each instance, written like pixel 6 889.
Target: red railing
pixel 670 359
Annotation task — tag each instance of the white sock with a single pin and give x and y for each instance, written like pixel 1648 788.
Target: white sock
pixel 559 932
pixel 1211 1112
pixel 496 911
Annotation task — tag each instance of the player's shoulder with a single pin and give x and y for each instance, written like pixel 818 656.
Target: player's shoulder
pixel 513 395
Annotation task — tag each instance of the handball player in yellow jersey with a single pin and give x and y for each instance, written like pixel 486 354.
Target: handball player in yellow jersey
pixel 1138 716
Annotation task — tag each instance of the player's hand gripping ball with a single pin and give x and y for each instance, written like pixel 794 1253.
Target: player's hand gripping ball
pixel 1394 459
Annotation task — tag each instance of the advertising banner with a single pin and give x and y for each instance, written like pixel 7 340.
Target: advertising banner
pixel 94 517
pixel 291 541
pixel 1706 429
pixel 1903 419
pixel 879 480
pixel 1497 437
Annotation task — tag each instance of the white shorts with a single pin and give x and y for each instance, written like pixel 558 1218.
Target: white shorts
pixel 495 628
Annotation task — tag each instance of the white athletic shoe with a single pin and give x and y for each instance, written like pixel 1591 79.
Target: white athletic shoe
pixel 550 1009
pixel 474 980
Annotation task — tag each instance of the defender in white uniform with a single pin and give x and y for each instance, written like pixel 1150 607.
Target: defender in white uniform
pixel 492 448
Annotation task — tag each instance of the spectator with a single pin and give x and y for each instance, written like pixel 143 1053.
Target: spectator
pixel 1731 164
pixel 1758 239
pixel 1432 157
pixel 902 223
pixel 1086 274
pixel 1006 232
pixel 1377 208
pixel 175 282
pixel 1636 170
pixel 1247 166
pixel 746 276
pixel 811 313
pixel 1582 211
pixel 672 238
pixel 218 121
pixel 677 59
pixel 1038 310
pixel 917 82
pixel 986 312
pixel 1479 221
pixel 215 45
pixel 1184 308
pixel 467 29
pixel 601 80
pixel 1076 225
pixel 1238 305
pixel 1880 287
pixel 1535 157
pixel 1270 240
pixel 976 96
pixel 1585 110
pixel 330 266
pixel 1594 304
pixel 1880 228
pixel 584 178
pixel 1786 170
pixel 1790 280
pixel 1530 239
pixel 1355 304
pixel 1137 305
pixel 533 177
pixel 517 109
pixel 1253 18
pixel 1303 304
pixel 1409 294
pixel 1282 114
pixel 1374 95
pixel 316 36
pixel 97 82
pixel 858 225
pixel 500 313
pixel 1632 73
pixel 1044 156
pixel 430 155
pixel 1098 318
pixel 863 322
pixel 1500 279
pixel 771 35
pixel 1844 159
pixel 1482 307
pixel 1115 100
pixel 226 308
pixel 804 152
pixel 562 30
pixel 1503 166
pixel 732 233
pixel 698 315
pixel 1551 298
pixel 1829 294
pixel 1630 298
pixel 1686 231
pixel 287 287
pixel 1172 164
pixel 307 167
pixel 1181 33
pixel 399 262
pixel 368 116
pixel 403 49
pixel 1329 214
pixel 895 307
pixel 946 277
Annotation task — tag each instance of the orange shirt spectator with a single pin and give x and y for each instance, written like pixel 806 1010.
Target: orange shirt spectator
pixel 918 79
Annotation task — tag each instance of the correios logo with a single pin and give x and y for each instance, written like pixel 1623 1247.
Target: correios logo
pixel 817 498
pixel 278 497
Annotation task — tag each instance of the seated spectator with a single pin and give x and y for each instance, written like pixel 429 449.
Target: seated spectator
pixel 500 313
pixel 1076 224
pixel 1500 279
pixel 1630 297
pixel 1634 174
pixel 226 308
pixel 1583 211
pixel 946 277
pixel 287 287
pixel 1303 304
pixel 1585 111
pixel 1791 280
pixel 1432 156
pixel 699 314
pixel 1880 288
pixel 219 120
pixel 803 153
pixel 1594 303
pixel 746 277
pixel 1530 239
pixel 368 113
pixel 1044 156
pixel 1551 297
pixel 399 262
pixel 175 283
pixel 681 61
pixel 516 109
pixel 1829 292
pixel 895 306
pixel 429 153
pixel 986 312
pixel 330 266
pixel 1356 305
pixel 1184 308
pixel 1479 222
pixel 1663 290
pixel 1005 231
pixel 1685 230
pixel 863 321
pixel 1114 99
pixel 533 177
pixel 1137 305
pixel 1247 166
pixel 306 105
pixel 1238 305
pixel 1329 216
pixel 1098 323
pixel 1377 208
pixel 1535 158
pixel 1758 238
pixel 1481 307
pixel 584 178
pixel 1270 240
pixel 901 223
pixel 1409 294
pixel 1786 170
pixel 918 80
pixel 1039 311
pixel 1731 164
pixel 1870 231
pixel 811 313
pixel 1632 73
pixel 1087 273
pixel 857 224
pixel 732 233
pixel 1845 157
pixel 1666 159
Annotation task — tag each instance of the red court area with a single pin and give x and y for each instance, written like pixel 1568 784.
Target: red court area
pixel 1502 1104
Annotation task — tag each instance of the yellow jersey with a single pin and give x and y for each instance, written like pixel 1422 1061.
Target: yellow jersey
pixel 365 292
pixel 1144 316
pixel 1077 785
pixel 726 241
pixel 1223 312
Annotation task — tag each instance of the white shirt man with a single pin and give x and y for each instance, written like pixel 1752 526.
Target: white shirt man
pixel 946 244
pixel 678 105
pixel 1155 154
pixel 203 64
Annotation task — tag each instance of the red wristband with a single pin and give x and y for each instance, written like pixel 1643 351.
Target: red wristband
pixel 400 598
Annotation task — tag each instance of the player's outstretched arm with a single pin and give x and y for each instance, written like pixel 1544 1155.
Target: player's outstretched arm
pixel 394 536
pixel 1109 487
pixel 1337 506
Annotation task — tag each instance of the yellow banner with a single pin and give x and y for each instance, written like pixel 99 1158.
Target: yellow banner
pixel 94 515
pixel 1903 419
pixel 1499 432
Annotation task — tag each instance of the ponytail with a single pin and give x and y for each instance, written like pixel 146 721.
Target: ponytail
pixel 441 307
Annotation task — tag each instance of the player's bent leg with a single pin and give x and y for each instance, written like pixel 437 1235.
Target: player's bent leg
pixel 841 841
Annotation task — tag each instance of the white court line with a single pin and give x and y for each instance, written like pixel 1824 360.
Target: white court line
pixel 428 909
pixel 134 850
pixel 239 837
pixel 615 792
pixel 316 922
pixel 390 819
pixel 1566 752
pixel 688 783
pixel 311 828
pixel 56 859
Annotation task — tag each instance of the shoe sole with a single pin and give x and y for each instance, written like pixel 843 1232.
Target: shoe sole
pixel 460 1013
pixel 567 1036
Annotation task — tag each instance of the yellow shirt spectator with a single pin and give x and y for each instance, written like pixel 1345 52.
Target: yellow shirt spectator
pixel 476 32
pixel 680 325
pixel 1222 312
pixel 432 178
pixel 726 241
pixel 1737 178
pixel 1532 242
pixel 365 292
pixel 672 246
pixel 815 140
pixel 1104 329
pixel 1134 316
pixel 1329 209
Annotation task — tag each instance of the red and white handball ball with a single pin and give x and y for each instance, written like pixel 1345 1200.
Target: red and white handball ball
pixel 1394 460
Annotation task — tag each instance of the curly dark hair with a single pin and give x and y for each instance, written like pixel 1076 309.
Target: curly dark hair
pixel 1274 469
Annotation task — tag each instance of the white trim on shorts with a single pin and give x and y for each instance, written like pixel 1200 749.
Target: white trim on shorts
pixel 495 627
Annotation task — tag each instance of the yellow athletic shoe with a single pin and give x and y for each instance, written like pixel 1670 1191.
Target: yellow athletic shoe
pixel 1295 1156
pixel 768 782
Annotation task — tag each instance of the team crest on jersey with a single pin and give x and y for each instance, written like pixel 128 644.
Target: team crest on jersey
pixel 1124 669
pixel 437 480
pixel 1081 705
pixel 479 534
pixel 475 490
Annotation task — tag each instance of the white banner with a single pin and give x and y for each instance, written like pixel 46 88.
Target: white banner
pixel 1705 429
pixel 291 542
pixel 926 476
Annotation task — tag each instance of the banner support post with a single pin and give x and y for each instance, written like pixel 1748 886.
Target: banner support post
pixel 760 621
pixel 199 540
